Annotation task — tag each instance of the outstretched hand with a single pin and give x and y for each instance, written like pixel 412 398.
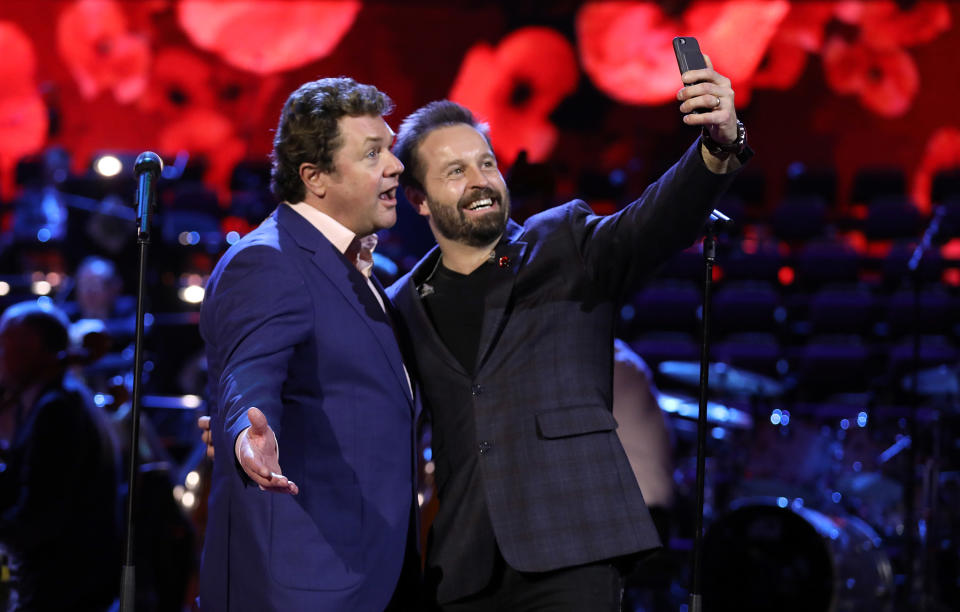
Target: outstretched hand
pixel 711 93
pixel 256 450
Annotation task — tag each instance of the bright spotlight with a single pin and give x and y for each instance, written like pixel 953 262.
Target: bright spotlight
pixel 192 294
pixel 40 287
pixel 188 500
pixel 192 480
pixel 108 165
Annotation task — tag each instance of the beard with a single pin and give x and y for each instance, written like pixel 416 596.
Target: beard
pixel 452 223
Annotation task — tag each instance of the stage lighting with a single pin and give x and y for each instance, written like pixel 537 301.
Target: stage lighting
pixel 192 480
pixel 191 294
pixel 108 165
pixel 188 499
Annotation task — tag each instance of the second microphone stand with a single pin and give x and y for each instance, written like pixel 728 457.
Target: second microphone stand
pixel 709 258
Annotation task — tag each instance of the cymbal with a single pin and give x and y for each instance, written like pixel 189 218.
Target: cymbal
pixel 717 414
pixel 941 380
pixel 723 378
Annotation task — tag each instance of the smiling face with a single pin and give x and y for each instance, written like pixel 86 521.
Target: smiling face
pixel 465 195
pixel 361 191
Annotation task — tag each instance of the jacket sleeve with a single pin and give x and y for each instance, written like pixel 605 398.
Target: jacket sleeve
pixel 620 250
pixel 261 313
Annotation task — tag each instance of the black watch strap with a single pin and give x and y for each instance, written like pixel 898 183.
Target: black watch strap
pixel 736 147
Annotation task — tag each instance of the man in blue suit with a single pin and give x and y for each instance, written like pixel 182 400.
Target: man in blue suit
pixel 303 357
pixel 513 328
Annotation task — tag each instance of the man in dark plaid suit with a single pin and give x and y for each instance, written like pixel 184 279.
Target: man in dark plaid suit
pixel 512 327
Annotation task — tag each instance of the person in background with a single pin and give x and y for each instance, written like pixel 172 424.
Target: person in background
pixel 647 438
pixel 59 514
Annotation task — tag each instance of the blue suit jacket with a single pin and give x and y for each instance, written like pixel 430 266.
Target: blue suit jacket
pixel 292 328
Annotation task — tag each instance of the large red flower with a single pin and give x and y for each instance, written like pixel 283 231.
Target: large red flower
pixel 885 79
pixel 19 65
pixel 799 34
pixel 266 36
pixel 942 153
pixel 875 65
pixel 183 80
pixel 23 116
pixel 180 81
pixel 102 54
pixel 885 25
pixel 515 86
pixel 626 49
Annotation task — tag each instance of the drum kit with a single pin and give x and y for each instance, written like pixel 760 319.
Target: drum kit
pixel 805 504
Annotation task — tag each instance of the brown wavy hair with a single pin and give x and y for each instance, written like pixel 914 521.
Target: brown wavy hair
pixel 308 131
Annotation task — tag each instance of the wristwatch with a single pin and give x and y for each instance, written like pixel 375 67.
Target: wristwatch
pixel 736 147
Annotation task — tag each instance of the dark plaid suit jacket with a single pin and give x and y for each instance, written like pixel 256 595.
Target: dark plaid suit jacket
pixel 556 482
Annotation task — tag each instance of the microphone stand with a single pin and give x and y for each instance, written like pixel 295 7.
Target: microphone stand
pixel 147 168
pixel 916 578
pixel 709 258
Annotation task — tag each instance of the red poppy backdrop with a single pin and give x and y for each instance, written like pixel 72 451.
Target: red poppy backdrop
pixel 850 84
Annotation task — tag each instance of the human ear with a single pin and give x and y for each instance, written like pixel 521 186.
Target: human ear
pixel 418 199
pixel 313 179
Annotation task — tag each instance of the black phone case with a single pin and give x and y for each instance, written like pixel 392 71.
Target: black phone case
pixel 689 57
pixel 687 50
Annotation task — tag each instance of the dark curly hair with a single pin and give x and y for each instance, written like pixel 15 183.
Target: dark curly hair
pixel 308 131
pixel 421 122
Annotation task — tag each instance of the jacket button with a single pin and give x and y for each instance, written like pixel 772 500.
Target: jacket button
pixel 476 390
pixel 485 446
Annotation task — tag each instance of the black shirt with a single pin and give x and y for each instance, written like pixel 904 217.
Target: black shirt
pixel 456 308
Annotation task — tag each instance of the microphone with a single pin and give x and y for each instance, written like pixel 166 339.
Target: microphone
pixel 933 230
pixel 147 169
pixel 719 218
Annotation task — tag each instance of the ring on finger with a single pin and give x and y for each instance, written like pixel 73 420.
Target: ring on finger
pixel 717 105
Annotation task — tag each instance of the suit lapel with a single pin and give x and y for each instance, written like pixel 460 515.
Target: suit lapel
pixel 398 368
pixel 421 328
pixel 350 283
pixel 507 258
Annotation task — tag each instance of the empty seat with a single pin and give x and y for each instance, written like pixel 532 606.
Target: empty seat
pixel 833 363
pixel 892 217
pixel 745 306
pixel 666 306
pixel 754 351
pixel 872 182
pixel 937 312
pixel 842 309
pixel 825 262
pixel 800 218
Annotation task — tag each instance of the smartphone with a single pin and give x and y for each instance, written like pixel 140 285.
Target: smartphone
pixel 688 53
pixel 689 57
